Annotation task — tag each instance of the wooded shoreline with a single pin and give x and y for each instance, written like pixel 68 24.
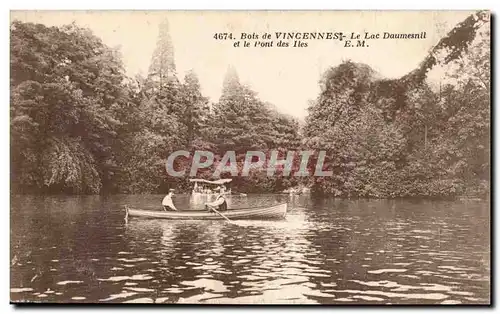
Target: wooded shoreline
pixel 80 125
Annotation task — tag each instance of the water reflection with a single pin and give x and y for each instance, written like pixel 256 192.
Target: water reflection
pixel 326 251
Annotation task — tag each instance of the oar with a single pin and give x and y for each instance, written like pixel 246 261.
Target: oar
pixel 126 213
pixel 224 216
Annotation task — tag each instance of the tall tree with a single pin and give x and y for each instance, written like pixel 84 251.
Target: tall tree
pixel 195 110
pixel 161 88
pixel 231 81
pixel 239 118
pixel 162 67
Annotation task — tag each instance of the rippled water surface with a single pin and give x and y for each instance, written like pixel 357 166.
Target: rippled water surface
pixel 79 249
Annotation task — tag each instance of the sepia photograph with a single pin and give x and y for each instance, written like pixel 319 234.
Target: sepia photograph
pixel 250 157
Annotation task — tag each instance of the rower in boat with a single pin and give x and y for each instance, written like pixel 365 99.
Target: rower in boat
pixel 220 203
pixel 168 203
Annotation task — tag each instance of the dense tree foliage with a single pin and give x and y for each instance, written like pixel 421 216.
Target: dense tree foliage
pixel 412 136
pixel 67 91
pixel 80 125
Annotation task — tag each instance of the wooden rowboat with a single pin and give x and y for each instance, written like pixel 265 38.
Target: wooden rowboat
pixel 265 213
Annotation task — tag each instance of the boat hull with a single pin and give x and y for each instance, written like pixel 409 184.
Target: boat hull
pixel 256 213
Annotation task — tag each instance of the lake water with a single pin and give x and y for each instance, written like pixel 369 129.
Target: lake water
pixel 79 249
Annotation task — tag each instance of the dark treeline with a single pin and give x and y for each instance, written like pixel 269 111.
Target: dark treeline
pixel 79 125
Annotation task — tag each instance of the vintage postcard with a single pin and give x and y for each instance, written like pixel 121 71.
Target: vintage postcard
pixel 250 157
